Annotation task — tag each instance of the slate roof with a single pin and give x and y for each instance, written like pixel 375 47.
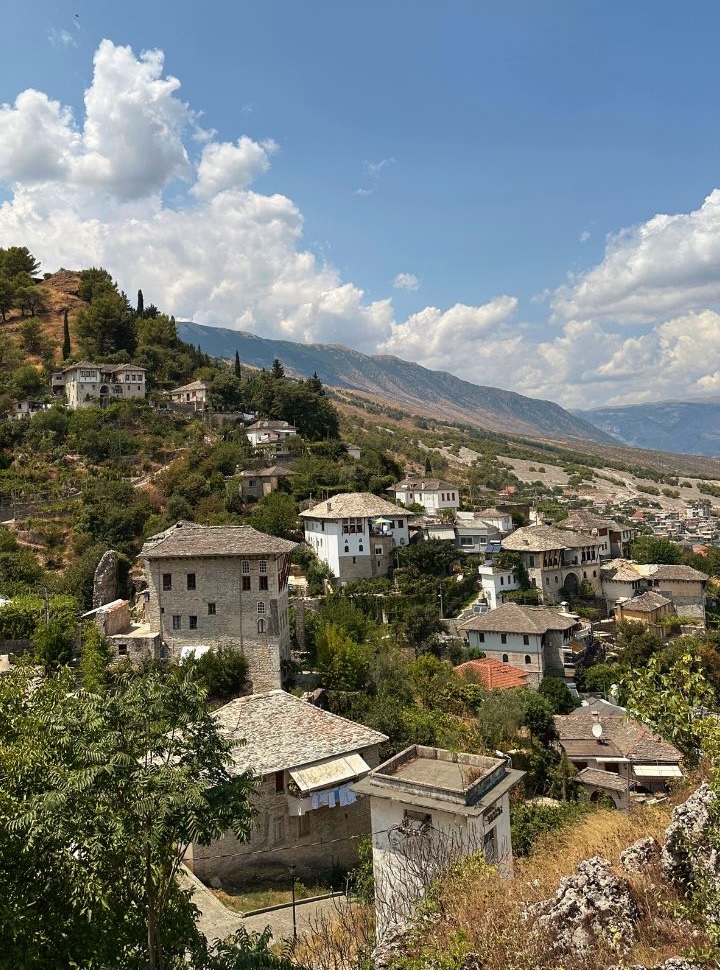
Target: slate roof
pixel 621 571
pixel 648 602
pixel 544 538
pixel 265 424
pixel 190 540
pixel 686 573
pixel 279 471
pixel 356 505
pixel 274 730
pixel 585 520
pixel 513 618
pixel 492 674
pixel 633 740
pixel 602 779
pixel 192 386
pixel 418 484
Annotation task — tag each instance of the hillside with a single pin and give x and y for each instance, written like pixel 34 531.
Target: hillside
pixel 408 385
pixel 688 427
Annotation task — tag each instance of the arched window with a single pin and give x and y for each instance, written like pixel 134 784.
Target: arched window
pixel 528 658
pixel 261 626
pixel 505 658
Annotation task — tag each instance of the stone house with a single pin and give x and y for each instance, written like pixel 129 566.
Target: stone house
pixel 616 755
pixel 209 585
pixel 557 559
pixel 126 638
pixel 501 519
pixel 433 494
pixel 431 807
pixel 307 813
pixel 256 483
pixel 85 384
pixel 648 608
pixel 682 585
pixel 532 639
pixel 355 534
pixel 613 536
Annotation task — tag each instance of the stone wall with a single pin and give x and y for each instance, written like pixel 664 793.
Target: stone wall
pixel 329 840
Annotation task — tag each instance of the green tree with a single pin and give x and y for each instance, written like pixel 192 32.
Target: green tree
pixel 557 693
pixel 66 348
pixel 16 260
pixel 654 549
pixel 53 642
pixel 31 332
pixel 636 644
pixel 7 297
pixel 94 660
pixel 275 514
pixel 223 671
pixel 106 326
pixel 237 370
pixel 99 798
pixel 277 370
pixel 140 308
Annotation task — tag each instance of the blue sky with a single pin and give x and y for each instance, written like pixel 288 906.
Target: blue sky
pixel 520 193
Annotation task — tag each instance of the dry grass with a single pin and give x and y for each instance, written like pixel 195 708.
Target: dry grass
pixel 484 915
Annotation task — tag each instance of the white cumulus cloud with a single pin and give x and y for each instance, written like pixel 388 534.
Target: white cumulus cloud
pixel 406 281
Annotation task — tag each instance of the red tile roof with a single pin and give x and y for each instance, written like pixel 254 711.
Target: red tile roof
pixel 492 674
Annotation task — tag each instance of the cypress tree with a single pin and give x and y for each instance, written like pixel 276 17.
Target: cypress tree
pixel 66 336
pixel 238 371
pixel 140 303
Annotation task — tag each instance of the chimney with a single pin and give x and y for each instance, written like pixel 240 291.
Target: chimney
pixel 329 506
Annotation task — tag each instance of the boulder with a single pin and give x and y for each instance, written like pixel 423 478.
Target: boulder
pixel 105 581
pixel 690 855
pixel 593 904
pixel 640 856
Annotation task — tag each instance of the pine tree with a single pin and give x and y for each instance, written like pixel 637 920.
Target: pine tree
pixel 238 370
pixel 277 369
pixel 66 336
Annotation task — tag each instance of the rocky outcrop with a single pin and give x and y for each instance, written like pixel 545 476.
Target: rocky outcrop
pixel 690 855
pixel 640 856
pixel 590 906
pixel 105 581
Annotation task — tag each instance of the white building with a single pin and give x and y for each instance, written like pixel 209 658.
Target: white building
pixel 85 384
pixel 195 395
pixel 355 533
pixel 474 534
pixel 495 582
pixel 429 809
pixel 531 638
pixel 433 494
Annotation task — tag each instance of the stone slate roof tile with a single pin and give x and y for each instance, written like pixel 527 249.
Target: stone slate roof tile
pixel 274 730
pixel 602 779
pixel 634 740
pixel 646 603
pixel 359 505
pixel 545 538
pixel 513 618
pixel 190 540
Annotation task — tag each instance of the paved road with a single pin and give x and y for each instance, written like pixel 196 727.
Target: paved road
pixel 217 921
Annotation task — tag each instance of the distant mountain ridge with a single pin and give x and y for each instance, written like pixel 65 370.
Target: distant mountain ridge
pixel 687 427
pixel 410 385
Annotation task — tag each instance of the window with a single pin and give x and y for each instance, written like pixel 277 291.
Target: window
pixel 261 609
pixel 503 638
pixel 502 580
pixel 526 640
pixel 279 781
pixel 279 830
pixel 352 526
pixel 504 658
pixel 193 623
pixel 177 622
pixel 245 566
pixel 466 540
pixel 261 625
pixel 528 658
pixel 481 636
pixel 556 580
pixel 191 580
pixel 246 584
pixel 303 825
pixel 264 583
pixel 532 562
pixel 167 581
pixel 262 566
pixel 122 650
pixel 378 550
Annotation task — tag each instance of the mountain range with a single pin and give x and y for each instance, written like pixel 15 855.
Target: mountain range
pixel 686 427
pixel 408 385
